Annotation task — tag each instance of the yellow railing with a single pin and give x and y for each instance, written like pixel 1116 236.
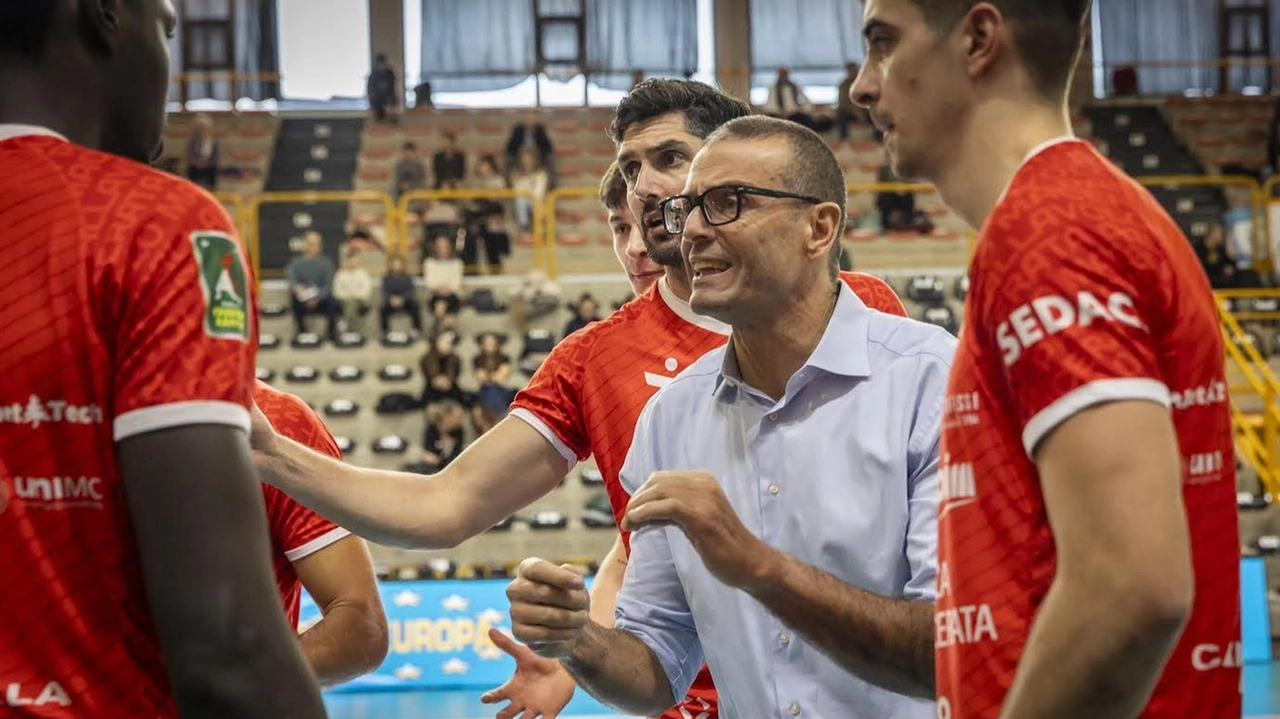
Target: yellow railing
pixel 540 253
pixel 1257 205
pixel 256 202
pixel 1258 435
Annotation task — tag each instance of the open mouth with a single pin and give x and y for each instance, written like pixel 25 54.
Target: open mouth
pixel 706 269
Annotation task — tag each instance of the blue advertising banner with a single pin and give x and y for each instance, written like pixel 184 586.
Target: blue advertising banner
pixel 1255 618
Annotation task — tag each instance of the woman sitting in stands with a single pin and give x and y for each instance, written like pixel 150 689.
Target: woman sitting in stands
pixel 442 274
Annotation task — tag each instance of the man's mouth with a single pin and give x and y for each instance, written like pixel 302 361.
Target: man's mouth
pixel 704 269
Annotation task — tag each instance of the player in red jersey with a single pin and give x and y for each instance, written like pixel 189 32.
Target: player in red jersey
pixel 1088 553
pixel 308 551
pixel 135 575
pixel 585 398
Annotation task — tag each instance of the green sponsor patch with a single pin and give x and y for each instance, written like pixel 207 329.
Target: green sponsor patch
pixel 225 284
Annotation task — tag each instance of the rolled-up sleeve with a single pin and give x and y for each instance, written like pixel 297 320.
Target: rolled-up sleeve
pixel 922 462
pixel 651 604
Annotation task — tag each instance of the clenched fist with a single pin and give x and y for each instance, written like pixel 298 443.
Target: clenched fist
pixel 549 607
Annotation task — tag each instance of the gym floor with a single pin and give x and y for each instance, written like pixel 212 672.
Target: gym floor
pixel 1261 701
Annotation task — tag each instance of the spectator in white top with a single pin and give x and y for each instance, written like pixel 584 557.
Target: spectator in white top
pixel 353 289
pixel 787 101
pixel 442 274
pixel 530 177
pixel 202 153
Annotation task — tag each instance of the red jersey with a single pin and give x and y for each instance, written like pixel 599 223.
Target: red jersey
pixel 1082 291
pixel 126 304
pixel 296 532
pixel 588 394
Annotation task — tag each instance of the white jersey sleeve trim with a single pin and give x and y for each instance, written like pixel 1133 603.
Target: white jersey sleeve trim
pixel 1085 396
pixel 178 414
pixel 532 420
pixel 316 544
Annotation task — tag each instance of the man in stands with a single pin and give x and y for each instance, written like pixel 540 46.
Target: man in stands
pixel 1088 559
pixel 135 572
pixel 585 398
pixel 308 551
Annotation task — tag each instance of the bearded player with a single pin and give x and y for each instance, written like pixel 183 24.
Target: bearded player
pixel 585 398
pixel 135 572
pixel 1088 554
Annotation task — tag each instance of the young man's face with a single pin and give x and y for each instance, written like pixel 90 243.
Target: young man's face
pixel 629 247
pixel 915 85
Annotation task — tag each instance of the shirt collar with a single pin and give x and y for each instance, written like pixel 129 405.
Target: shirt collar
pixel 842 350
pixel 1061 139
pixel 686 313
pixel 11 131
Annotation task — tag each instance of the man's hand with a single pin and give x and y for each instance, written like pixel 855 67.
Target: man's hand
pixel 549 607
pixel 693 501
pixel 539 688
pixel 262 436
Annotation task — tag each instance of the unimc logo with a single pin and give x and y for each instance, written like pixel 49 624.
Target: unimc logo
pixel 224 281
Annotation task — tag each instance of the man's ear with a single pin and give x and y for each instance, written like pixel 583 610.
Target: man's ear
pixel 982 36
pixel 824 227
pixel 100 22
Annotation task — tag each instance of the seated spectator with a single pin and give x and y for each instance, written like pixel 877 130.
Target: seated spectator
pixel 530 177
pixel 787 101
pixel 442 439
pixel 398 295
pixel 1220 265
pixel 203 154
pixel 422 96
pixel 492 370
pixel 898 209
pixel 382 90
pixel 449 163
pixel 586 311
pixel 443 218
pixel 409 173
pixel 528 135
pixel 441 368
pixel 848 113
pixel 353 289
pixel 442 273
pixel 311 285
pixel 484 221
pixel 535 297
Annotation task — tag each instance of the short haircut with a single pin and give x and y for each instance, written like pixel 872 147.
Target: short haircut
pixel 1047 33
pixel 704 107
pixel 613 188
pixel 26 26
pixel 813 169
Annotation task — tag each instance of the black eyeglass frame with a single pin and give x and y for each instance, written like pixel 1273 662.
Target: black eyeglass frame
pixel 699 201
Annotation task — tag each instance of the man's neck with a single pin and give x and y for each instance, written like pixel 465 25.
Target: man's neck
pixel 1000 137
pixel 770 352
pixel 27 99
pixel 678 283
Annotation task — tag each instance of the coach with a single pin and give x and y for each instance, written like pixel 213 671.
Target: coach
pixel 785 486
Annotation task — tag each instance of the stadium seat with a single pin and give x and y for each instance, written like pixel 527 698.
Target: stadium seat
pixel 1269 544
pixel 598 513
pixel 1266 304
pixel 502 526
pixel 396 338
pixel 484 302
pixel 548 519
pixel 341 408
pixel 493 570
pixel 390 444
pixel 1248 501
pixel 395 373
pixel 302 373
pixel 440 568
pixel 591 476
pixel 306 341
pixel 268 341
pixel 345 444
pixel 272 309
pixel 346 373
pixel 1253 338
pixel 962 287
pixel 925 289
pixel 264 374
pixel 350 340
pixel 393 403
pixel 942 316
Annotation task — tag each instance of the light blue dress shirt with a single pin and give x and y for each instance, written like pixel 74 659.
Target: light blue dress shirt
pixel 840 474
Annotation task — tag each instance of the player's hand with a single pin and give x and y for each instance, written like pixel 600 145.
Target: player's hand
pixel 262 436
pixel 693 502
pixel 549 607
pixel 539 688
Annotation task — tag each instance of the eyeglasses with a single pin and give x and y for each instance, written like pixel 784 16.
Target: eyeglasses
pixel 720 205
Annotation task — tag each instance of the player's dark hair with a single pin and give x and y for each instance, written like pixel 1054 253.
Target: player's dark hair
pixel 25 26
pixel 704 107
pixel 813 170
pixel 613 188
pixel 1048 33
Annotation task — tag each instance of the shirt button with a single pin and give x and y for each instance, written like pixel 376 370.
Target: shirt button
pixel 795 709
pixel 784 639
pixel 773 489
pixel 773 416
